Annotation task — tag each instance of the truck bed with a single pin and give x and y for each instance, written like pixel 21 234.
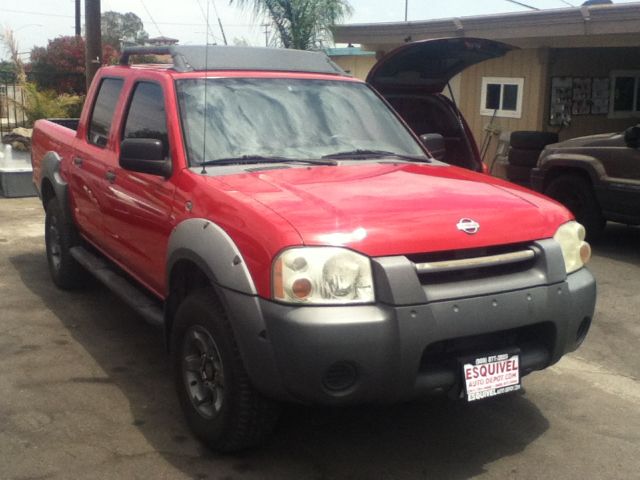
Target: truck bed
pixel 53 135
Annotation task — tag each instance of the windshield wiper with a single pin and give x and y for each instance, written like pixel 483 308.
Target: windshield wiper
pixel 363 153
pixel 252 159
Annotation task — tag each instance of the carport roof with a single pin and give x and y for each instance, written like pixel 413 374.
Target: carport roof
pixel 587 26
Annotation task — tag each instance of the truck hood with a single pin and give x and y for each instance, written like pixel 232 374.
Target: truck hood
pixel 600 140
pixel 390 209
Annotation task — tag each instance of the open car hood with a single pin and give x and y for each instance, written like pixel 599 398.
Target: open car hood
pixel 428 65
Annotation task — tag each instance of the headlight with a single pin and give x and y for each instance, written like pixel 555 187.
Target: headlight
pixel 322 275
pixel 575 250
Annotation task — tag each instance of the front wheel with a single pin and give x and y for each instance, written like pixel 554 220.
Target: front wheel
pixel 221 406
pixel 576 193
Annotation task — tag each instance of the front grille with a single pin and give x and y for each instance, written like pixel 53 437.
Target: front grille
pixel 459 265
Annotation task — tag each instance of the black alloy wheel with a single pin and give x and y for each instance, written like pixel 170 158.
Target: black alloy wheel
pixel 202 371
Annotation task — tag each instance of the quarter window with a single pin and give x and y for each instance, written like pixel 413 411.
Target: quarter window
pixel 103 109
pixel 502 96
pixel 147 117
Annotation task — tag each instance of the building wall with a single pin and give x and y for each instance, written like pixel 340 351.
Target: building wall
pixel 592 62
pixel 530 64
pixel 356 65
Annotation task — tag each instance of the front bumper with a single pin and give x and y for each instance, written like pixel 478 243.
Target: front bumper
pixel 398 352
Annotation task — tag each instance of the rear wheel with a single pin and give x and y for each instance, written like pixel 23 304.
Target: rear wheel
pixel 60 236
pixel 221 406
pixel 576 193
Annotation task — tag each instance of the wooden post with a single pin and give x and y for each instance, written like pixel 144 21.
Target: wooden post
pixel 78 25
pixel 93 42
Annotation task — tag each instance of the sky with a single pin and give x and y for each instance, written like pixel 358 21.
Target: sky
pixel 36 21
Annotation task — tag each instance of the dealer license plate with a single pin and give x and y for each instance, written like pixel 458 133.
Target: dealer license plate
pixel 491 375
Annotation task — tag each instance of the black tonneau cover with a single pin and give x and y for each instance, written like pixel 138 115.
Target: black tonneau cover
pixel 188 58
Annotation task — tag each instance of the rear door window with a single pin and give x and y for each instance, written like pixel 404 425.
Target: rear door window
pixel 103 108
pixel 146 117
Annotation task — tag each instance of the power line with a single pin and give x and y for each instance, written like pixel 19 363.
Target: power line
pixel 38 13
pixel 523 5
pixel 224 37
pixel 152 20
pixel 209 29
pixel 179 24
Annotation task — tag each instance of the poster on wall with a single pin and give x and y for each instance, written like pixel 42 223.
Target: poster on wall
pixel 600 96
pixel 577 96
pixel 561 99
pixel 581 96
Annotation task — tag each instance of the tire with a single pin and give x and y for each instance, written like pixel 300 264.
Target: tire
pixel 575 193
pixel 527 140
pixel 220 405
pixel 60 236
pixel 518 174
pixel 523 158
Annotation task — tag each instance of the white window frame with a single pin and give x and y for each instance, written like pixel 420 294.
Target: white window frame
pixel 502 81
pixel 626 113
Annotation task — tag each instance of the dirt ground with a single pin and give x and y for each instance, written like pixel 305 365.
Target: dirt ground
pixel 85 392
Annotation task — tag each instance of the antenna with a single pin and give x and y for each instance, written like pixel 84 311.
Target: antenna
pixel 204 123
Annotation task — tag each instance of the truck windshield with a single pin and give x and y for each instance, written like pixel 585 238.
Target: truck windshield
pixel 286 118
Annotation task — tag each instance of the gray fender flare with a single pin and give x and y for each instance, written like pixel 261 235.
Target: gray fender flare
pixel 216 254
pixel 50 168
pixel 212 249
pixel 589 165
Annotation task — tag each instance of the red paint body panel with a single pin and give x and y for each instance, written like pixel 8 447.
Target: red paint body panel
pixel 377 209
pixel 403 208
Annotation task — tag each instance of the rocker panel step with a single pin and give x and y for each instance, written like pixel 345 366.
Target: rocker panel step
pixel 136 298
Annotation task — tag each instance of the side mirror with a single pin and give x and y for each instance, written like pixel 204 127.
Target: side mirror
pixel 632 136
pixel 434 142
pixel 144 155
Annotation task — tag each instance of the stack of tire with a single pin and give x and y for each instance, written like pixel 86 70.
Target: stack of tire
pixel 524 152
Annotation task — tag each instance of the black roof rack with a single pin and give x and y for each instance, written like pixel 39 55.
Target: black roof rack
pixel 188 58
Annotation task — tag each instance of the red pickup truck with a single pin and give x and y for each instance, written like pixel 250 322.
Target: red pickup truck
pixel 297 243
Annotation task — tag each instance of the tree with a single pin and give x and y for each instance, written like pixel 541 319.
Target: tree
pixel 118 27
pixel 60 65
pixel 301 24
pixel 11 44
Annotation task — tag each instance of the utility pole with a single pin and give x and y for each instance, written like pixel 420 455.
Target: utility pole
pixel 406 10
pixel 266 33
pixel 78 26
pixel 93 42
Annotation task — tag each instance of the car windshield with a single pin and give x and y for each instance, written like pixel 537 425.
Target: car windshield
pixel 227 118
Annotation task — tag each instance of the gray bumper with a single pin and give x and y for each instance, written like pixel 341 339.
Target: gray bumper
pixel 400 352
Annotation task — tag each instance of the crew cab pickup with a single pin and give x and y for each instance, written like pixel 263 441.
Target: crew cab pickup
pixel 297 243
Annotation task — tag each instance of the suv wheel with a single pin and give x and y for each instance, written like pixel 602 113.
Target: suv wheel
pixel 577 195
pixel 60 236
pixel 221 406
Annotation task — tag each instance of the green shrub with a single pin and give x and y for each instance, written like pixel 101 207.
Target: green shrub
pixel 48 104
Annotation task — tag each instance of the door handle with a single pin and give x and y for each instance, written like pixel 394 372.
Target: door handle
pixel 110 176
pixel 77 161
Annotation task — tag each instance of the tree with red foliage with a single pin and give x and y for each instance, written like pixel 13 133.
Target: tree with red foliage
pixel 60 65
